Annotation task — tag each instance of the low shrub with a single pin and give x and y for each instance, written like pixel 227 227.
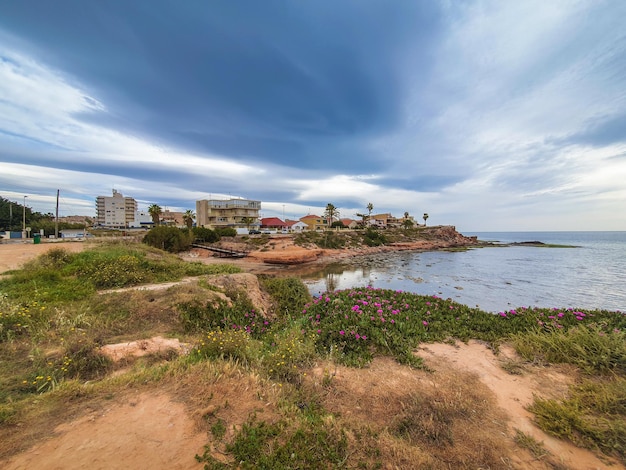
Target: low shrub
pixel 259 444
pixel 588 347
pixel 18 320
pixel 226 231
pixel 287 351
pixel 80 361
pixel 170 239
pixel 593 416
pixel 225 344
pixel 372 237
pixel 205 235
pixel 289 294
pixel 238 314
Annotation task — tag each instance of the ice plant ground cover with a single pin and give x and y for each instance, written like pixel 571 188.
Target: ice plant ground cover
pixel 358 323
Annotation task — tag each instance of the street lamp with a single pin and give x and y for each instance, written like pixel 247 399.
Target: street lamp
pixel 24 218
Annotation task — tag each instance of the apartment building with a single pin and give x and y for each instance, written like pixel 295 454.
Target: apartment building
pixel 115 211
pixel 175 219
pixel 214 213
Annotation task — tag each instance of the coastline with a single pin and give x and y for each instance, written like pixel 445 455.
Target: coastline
pixel 282 251
pixel 279 254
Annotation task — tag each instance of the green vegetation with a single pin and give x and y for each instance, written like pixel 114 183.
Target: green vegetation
pixel 12 216
pixel 205 235
pixel 170 239
pixel 261 445
pixel 53 321
pixel 593 416
pixel 59 276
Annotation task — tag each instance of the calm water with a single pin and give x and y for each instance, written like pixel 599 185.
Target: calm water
pixel 591 276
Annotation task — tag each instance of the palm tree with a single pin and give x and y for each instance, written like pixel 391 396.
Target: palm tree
pixel 189 217
pixel 425 217
pixel 155 212
pixel 330 213
pixel 363 219
pixel 247 221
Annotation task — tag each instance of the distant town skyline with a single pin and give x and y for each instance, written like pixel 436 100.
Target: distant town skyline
pixel 488 115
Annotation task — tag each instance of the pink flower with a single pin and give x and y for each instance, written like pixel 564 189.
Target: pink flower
pixel 342 332
pixel 425 323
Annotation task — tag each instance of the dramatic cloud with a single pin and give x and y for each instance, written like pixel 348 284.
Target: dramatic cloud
pixel 485 114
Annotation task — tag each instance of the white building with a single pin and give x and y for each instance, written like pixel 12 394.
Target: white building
pixel 115 211
pixel 143 219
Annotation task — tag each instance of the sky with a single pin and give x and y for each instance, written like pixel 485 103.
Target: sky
pixel 489 115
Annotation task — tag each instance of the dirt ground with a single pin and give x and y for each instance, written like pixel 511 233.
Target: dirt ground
pixel 152 430
pixel 15 254
pixel 148 430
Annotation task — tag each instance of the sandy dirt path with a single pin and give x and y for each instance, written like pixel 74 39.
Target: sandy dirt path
pixel 15 254
pixel 514 393
pixel 144 431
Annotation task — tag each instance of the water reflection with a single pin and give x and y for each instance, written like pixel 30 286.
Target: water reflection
pixel 493 279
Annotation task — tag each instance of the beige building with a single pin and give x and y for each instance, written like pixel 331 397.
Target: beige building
pixel 115 211
pixel 314 222
pixel 233 213
pixel 172 218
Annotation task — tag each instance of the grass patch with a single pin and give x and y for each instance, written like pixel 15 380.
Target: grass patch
pixel 593 416
pixel 526 441
pixel 58 276
pixel 289 294
pixel 591 348
pixel 264 445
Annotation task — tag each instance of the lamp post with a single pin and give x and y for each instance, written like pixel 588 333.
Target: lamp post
pixel 24 218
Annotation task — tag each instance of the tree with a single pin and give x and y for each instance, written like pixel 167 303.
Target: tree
pixel 330 213
pixel 155 212
pixel 365 218
pixel 205 234
pixel 363 222
pixel 247 221
pixel 169 239
pixel 189 217
pixel 425 217
pixel 407 223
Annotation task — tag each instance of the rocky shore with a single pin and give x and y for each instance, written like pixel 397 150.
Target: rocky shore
pixel 283 250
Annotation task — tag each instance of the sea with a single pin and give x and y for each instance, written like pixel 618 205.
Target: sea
pixel 588 274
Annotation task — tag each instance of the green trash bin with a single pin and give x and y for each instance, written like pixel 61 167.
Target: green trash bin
pixel 36 239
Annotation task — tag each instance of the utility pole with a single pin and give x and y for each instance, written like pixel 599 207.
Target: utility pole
pixel 24 218
pixel 56 219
